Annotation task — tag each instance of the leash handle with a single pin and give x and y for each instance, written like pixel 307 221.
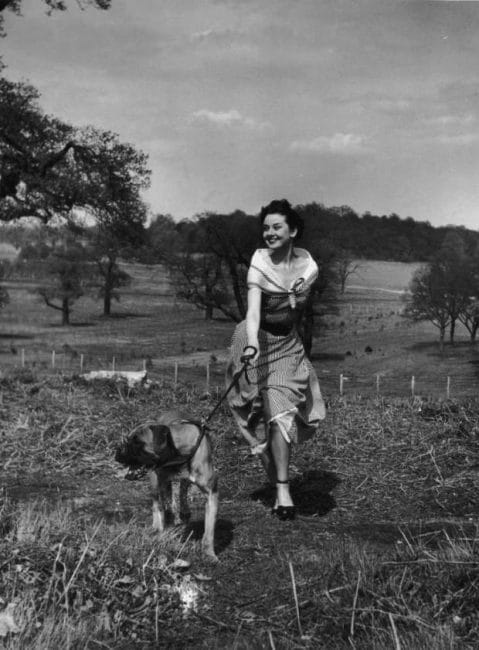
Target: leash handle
pixel 246 357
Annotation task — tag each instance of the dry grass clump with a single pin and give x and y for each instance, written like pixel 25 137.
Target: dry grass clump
pixel 383 554
pixel 72 580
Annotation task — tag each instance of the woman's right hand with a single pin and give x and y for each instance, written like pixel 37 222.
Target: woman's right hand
pixel 250 353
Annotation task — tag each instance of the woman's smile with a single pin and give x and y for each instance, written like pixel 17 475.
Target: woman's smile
pixel 276 231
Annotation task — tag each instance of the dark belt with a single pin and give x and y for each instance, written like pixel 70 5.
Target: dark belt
pixel 277 329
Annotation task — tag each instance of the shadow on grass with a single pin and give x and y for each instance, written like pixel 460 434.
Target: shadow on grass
pixel 426 533
pixel 328 356
pixel 310 492
pixel 431 347
pixel 223 532
pixel 123 315
pixel 71 325
pixel 7 335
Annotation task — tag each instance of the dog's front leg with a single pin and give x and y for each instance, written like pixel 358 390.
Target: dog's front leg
pixel 211 510
pixel 158 495
pixel 179 500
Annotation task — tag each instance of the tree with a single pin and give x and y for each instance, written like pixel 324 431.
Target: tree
pixel 120 174
pixel 162 240
pixel 5 268
pixel 428 299
pixel 71 272
pixel 210 265
pixel 45 170
pixel 469 315
pixel 322 299
pixel 455 266
pixel 345 267
pixel 51 5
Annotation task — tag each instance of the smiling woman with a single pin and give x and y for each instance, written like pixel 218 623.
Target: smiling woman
pixel 278 401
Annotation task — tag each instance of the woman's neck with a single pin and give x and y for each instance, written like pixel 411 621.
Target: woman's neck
pixel 283 256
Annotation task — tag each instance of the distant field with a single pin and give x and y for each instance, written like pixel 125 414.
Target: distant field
pixel 149 326
pixel 383 275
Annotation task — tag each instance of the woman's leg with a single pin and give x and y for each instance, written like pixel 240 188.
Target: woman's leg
pixel 280 451
pixel 269 464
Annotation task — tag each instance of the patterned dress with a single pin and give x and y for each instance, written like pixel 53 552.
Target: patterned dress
pixel 282 385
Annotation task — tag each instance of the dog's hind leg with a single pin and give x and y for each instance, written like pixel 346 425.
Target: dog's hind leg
pixel 158 495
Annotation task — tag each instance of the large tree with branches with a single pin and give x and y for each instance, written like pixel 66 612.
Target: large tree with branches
pixel 50 5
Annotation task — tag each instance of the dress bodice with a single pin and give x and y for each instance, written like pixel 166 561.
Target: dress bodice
pixel 280 304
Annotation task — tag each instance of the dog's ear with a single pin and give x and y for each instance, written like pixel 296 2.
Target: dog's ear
pixel 162 441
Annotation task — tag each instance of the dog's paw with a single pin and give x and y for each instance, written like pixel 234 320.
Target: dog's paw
pixel 209 554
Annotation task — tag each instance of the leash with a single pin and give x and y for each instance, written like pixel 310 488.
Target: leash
pixel 245 359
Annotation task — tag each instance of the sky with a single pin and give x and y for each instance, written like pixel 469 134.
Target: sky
pixel 368 103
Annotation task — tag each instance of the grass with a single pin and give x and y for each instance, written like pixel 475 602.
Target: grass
pixel 384 553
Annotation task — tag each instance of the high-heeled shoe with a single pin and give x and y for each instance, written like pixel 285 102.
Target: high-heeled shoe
pixel 284 513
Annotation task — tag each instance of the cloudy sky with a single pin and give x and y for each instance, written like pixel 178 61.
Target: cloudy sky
pixel 368 103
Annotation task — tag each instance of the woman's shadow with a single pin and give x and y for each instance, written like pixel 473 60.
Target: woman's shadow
pixel 311 492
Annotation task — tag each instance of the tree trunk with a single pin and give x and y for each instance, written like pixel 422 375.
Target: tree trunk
pixel 208 312
pixel 208 302
pixel 442 334
pixel 474 333
pixel 107 301
pixel 452 330
pixel 107 289
pixel 236 289
pixel 65 312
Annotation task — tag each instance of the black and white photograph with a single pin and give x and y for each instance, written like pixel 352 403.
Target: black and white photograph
pixel 239 316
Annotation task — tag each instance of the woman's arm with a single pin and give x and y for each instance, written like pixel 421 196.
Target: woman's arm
pixel 253 317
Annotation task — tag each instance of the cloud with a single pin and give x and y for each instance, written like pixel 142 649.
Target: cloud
pixel 451 120
pixel 216 35
pixel 227 119
pixel 460 139
pixel 339 143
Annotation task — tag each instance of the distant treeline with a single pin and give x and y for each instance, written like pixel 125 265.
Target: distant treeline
pixel 386 237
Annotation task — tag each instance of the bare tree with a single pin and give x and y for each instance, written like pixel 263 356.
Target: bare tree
pixel 429 298
pixel 345 267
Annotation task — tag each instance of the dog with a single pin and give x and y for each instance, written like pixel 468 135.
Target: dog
pixel 176 451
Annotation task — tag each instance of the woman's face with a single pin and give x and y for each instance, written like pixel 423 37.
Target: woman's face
pixel 276 231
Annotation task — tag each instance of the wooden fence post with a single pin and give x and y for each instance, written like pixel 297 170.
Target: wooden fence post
pixel 207 376
pixel 144 364
pixel 341 384
pixel 23 357
pixel 113 363
pixel 53 358
pixel 448 387
pixel 378 377
pixel 175 381
pixel 81 363
pixel 413 384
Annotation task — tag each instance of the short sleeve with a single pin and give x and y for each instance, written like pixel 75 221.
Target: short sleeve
pixel 253 279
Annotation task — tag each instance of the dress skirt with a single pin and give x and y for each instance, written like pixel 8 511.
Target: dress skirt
pixel 281 386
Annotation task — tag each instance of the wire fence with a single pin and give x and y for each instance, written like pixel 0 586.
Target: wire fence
pixel 208 374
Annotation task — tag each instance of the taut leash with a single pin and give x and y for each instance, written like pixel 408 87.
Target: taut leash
pixel 245 359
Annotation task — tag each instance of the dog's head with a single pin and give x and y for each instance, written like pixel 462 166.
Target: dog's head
pixel 149 446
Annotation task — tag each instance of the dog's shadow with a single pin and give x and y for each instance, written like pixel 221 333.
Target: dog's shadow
pixel 311 493
pixel 194 529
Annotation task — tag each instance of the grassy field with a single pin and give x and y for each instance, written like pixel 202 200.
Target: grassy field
pixel 149 327
pixel 383 554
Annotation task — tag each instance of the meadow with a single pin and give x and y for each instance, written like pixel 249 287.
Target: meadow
pixel 383 554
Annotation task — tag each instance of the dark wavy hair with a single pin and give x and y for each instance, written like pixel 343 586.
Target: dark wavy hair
pixel 282 206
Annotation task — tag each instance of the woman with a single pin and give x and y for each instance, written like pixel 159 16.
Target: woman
pixel 278 401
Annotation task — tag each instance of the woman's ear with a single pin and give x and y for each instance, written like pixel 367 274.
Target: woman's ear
pixel 293 233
